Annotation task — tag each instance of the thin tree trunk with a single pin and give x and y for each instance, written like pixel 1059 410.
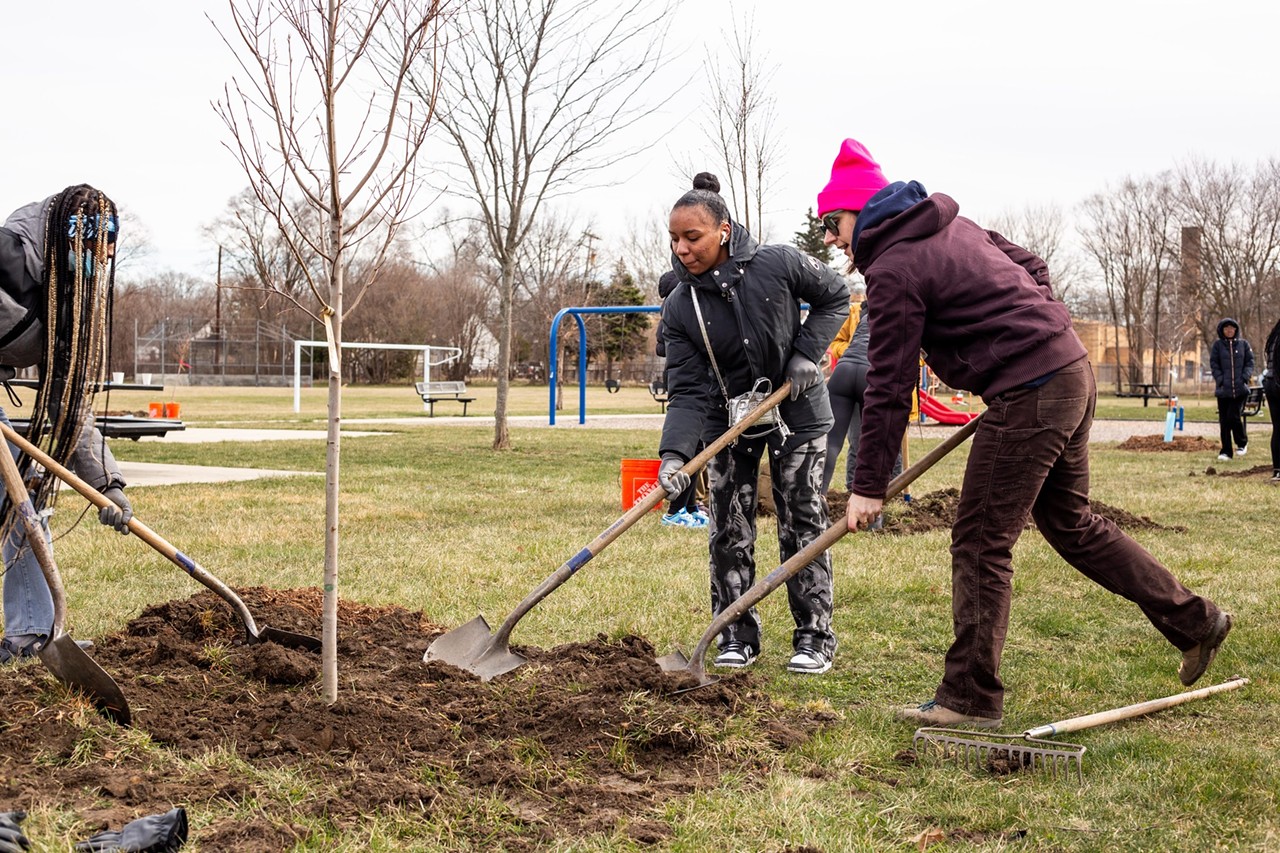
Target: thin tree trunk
pixel 501 431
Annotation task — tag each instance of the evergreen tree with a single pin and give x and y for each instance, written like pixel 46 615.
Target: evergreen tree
pixel 809 238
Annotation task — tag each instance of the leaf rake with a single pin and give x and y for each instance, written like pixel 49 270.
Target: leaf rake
pixel 1029 751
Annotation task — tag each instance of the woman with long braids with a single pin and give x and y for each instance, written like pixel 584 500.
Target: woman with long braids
pixel 732 321
pixel 1271 388
pixel 56 272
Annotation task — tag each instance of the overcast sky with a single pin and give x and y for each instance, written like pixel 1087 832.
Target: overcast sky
pixel 999 104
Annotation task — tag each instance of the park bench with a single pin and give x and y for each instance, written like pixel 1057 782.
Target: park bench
pixel 658 390
pixel 1252 403
pixel 433 392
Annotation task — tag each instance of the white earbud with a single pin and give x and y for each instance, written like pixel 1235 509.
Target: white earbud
pixel 724 238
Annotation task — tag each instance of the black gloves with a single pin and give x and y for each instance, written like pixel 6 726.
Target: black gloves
pixel 116 516
pixel 11 838
pixel 670 477
pixel 159 833
pixel 803 373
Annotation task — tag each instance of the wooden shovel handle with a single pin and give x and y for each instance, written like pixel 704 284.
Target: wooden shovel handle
pixel 136 527
pixel 20 498
pixel 1074 724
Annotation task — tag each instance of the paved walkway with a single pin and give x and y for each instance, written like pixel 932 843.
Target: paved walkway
pixel 155 474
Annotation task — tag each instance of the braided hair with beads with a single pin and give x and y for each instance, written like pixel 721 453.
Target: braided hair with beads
pixel 80 229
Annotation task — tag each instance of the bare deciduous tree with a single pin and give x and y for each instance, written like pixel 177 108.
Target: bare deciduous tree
pixel 532 92
pixel 1131 234
pixel 743 130
pixel 1238 214
pixel 319 118
pixel 1043 230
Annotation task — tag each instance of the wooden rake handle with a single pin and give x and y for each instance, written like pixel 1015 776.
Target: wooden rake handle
pixel 1075 724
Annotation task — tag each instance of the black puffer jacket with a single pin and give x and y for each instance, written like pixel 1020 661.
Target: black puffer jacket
pixel 751 305
pixel 1231 360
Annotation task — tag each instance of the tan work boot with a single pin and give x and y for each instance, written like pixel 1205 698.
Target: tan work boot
pixel 933 714
pixel 1196 659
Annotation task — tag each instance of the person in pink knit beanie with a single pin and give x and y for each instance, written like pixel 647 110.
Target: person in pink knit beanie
pixel 983 311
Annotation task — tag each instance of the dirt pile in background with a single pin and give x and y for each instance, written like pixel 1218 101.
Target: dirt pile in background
pixel 584 738
pixel 1157 444
pixel 937 511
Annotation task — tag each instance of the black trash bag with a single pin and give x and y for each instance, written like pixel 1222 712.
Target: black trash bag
pixel 161 833
pixel 11 838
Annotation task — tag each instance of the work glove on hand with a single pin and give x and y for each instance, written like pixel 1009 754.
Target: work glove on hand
pixel 11 838
pixel 116 516
pixel 161 833
pixel 670 477
pixel 803 373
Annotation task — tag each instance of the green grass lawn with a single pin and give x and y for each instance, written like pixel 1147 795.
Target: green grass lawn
pixel 432 519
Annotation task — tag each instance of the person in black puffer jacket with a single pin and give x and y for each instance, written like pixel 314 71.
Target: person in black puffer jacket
pixel 1231 360
pixel 750 296
pixel 1271 388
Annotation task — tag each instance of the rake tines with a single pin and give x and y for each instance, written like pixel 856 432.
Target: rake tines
pixel 1000 754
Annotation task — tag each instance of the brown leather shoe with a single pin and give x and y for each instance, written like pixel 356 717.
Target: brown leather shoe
pixel 1196 659
pixel 933 714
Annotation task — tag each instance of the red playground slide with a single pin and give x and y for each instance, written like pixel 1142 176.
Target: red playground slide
pixel 931 407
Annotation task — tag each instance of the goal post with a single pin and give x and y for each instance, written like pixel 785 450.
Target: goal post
pixel 447 354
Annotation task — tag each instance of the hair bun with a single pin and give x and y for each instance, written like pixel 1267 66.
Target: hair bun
pixel 706 181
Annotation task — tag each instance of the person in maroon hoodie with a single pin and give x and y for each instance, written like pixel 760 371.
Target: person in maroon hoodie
pixel 982 311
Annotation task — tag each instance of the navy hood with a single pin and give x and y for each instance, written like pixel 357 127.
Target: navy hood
pixel 1227 321
pixel 899 196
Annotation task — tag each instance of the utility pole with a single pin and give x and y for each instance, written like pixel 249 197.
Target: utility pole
pixel 217 318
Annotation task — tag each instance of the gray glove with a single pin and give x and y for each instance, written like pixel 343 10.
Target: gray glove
pixel 161 833
pixel 116 516
pixel 803 373
pixel 670 477
pixel 11 838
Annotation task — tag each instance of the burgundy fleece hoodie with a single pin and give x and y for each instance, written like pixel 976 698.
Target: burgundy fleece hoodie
pixel 979 306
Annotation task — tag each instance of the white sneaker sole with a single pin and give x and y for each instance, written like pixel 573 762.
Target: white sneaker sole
pixel 804 670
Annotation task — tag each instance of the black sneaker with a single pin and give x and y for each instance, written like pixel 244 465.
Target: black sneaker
pixel 1196 659
pixel 20 647
pixel 735 656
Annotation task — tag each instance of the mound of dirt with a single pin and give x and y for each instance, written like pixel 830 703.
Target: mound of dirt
pixel 585 737
pixel 937 511
pixel 1157 444
pixel 1262 472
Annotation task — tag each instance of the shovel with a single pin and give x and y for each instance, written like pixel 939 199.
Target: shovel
pixel 66 660
pixel 1031 751
pixel 472 647
pixel 156 541
pixel 676 661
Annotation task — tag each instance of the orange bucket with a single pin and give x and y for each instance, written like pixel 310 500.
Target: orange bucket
pixel 639 478
pixel 155 410
pixel 171 410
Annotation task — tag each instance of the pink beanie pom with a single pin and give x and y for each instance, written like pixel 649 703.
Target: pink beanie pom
pixel 855 178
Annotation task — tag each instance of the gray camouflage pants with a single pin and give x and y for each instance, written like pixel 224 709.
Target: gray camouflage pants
pixel 802 518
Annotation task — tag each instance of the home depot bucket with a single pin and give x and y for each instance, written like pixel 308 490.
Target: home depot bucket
pixel 171 410
pixel 639 478
pixel 155 410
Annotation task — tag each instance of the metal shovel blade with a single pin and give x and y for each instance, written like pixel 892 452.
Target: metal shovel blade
pixel 472 647
pixel 70 665
pixel 288 639
pixel 673 662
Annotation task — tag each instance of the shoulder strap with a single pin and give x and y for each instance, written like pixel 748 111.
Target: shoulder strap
pixel 702 327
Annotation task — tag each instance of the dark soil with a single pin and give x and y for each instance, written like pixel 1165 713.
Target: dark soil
pixel 1157 444
pixel 937 511
pixel 586 737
